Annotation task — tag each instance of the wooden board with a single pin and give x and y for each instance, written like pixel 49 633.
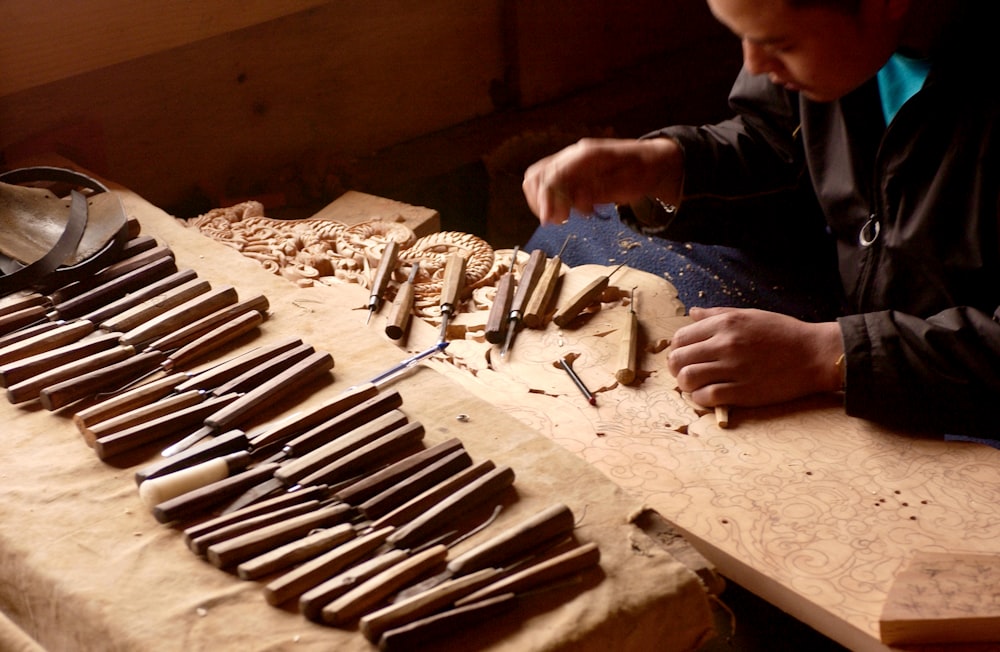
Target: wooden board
pixel 814 511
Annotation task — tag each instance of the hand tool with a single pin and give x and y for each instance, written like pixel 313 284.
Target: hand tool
pixel 386 266
pixel 295 552
pixel 232 441
pixel 497 319
pixel 628 344
pixel 535 313
pixel 268 392
pixel 155 491
pixel 419 481
pixel 419 633
pixel 529 279
pixel 588 295
pixel 587 394
pixel 402 306
pixel 201 500
pixel 315 572
pixel 324 590
pixel 369 593
pixel 722 416
pixel 200 544
pixel 365 459
pixel 396 370
pixel 454 282
pixel 551 524
pixel 391 476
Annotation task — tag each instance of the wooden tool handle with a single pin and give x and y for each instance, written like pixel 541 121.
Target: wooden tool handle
pixel 200 544
pixel 447 510
pixel 402 307
pixel 25 368
pixel 297 468
pixel 499 313
pixel 529 280
pixel 199 328
pixel 301 422
pixel 454 281
pixel 113 376
pixel 417 634
pixel 328 430
pixel 141 415
pixel 290 380
pixel 166 426
pixel 246 546
pixel 266 367
pixel 134 259
pixel 47 340
pixel 31 388
pixel 367 457
pixel 295 552
pixel 627 349
pixel 573 561
pixel 130 301
pixel 224 444
pixel 224 372
pixel 128 400
pixel 310 495
pixel 180 316
pixel 386 266
pixel 425 500
pixel 392 475
pixel 556 521
pixel 424 479
pixel 581 300
pixel 315 572
pixel 213 339
pixel 357 601
pixel 153 307
pixel 313 601
pixel 24 317
pixel 196 502
pixel 536 310
pixel 423 604
pixel 156 490
pixel 115 289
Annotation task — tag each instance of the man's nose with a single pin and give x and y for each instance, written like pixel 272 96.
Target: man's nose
pixel 756 59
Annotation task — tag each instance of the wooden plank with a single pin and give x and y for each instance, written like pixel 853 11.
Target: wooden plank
pixel 48 40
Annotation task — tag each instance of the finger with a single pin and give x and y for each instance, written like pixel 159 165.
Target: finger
pixel 698 314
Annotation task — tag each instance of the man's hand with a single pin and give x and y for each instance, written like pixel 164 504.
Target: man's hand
pixel 738 356
pixel 602 171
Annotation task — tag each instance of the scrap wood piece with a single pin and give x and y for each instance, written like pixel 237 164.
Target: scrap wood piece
pixel 944 598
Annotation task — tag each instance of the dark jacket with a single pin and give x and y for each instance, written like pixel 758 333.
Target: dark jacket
pixel 921 326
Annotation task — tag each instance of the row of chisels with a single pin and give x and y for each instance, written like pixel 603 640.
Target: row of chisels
pixel 342 509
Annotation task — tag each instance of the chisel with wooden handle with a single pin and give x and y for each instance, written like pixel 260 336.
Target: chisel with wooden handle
pixel 554 523
pixel 537 308
pixel 371 592
pixel 386 265
pixel 525 286
pixel 496 320
pixel 402 306
pixel 128 284
pixel 412 486
pixel 440 625
pixel 197 502
pixel 628 345
pixel 295 552
pixel 200 544
pixel 327 566
pixel 232 441
pixel 390 476
pixel 155 491
pixel 327 589
pixel 454 282
pixel 113 271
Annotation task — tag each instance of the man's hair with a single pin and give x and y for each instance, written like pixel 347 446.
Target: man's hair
pixel 846 6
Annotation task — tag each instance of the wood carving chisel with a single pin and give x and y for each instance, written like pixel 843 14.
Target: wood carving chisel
pixel 153 389
pixel 138 259
pixel 586 296
pixel 574 561
pixel 425 500
pixel 127 284
pixel 365 459
pixel 136 368
pixel 370 593
pixel 402 306
pixel 423 604
pixel 156 490
pixel 311 495
pixel 386 266
pixel 198 502
pixel 295 552
pixel 29 332
pixel 329 587
pixel 231 552
pixel 454 282
pixel 496 320
pixel 50 357
pixel 326 566
pixel 526 285
pixel 419 481
pixel 101 314
pixel 536 311
pixel 200 544
pixel 551 524
pixel 628 345
pixel 448 510
pixel 439 626
pixel 232 441
pixel 15 321
pixel 264 395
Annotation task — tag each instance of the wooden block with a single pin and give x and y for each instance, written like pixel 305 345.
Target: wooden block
pixel 944 598
pixel 355 207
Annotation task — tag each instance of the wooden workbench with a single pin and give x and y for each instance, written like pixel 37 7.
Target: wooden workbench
pixel 85 566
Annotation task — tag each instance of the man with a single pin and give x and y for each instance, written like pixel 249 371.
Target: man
pixel 888 109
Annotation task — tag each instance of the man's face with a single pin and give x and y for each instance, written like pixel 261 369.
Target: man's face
pixel 820 52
